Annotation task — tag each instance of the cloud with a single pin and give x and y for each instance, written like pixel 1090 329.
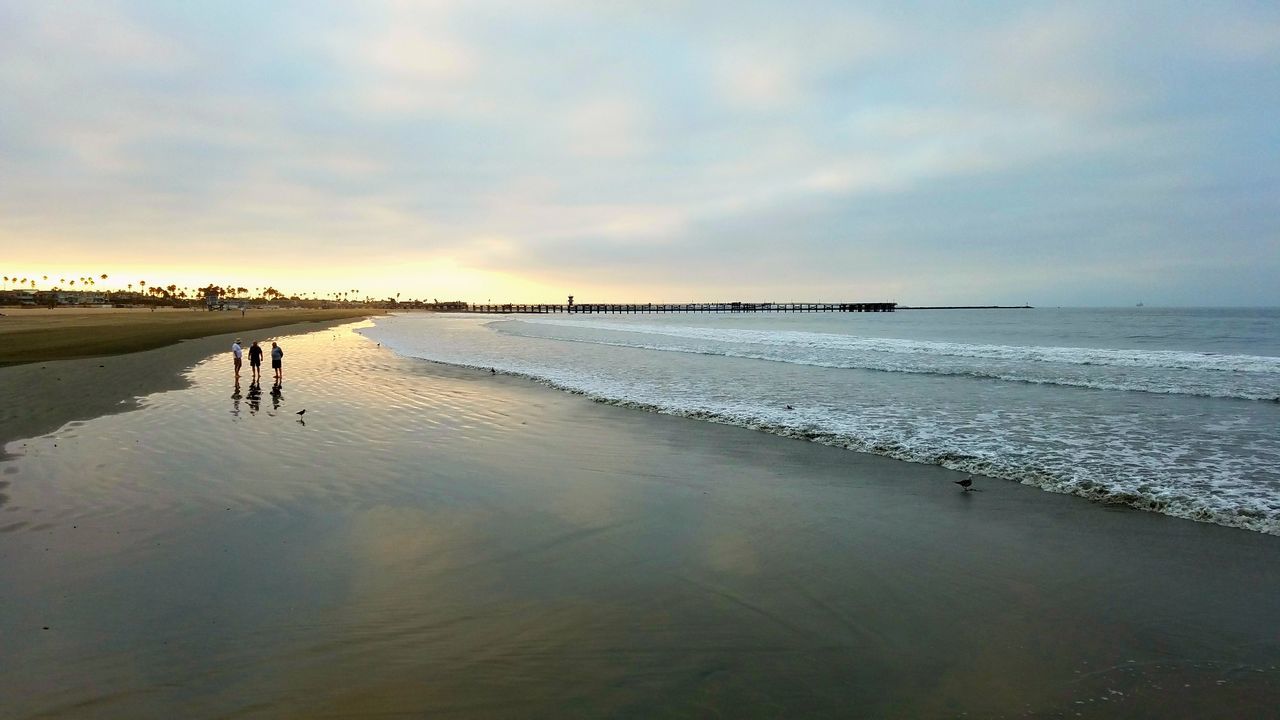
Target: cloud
pixel 606 127
pixel 1242 39
pixel 777 60
pixel 1054 61
pixel 681 147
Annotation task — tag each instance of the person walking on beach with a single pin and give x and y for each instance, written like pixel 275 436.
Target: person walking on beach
pixel 255 361
pixel 236 354
pixel 277 361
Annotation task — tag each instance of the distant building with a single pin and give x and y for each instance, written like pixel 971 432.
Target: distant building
pixel 17 297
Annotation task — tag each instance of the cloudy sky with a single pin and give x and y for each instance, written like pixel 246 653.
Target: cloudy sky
pixel 1058 153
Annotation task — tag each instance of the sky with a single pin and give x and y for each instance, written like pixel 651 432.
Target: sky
pixel 1082 153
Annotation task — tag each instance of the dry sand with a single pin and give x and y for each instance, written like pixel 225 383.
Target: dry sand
pixel 41 334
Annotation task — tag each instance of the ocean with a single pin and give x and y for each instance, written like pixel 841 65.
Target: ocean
pixel 1173 411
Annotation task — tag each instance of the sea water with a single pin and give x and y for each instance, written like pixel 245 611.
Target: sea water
pixel 1170 410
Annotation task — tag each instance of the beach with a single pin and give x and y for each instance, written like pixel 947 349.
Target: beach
pixel 58 367
pixel 437 541
pixel 41 334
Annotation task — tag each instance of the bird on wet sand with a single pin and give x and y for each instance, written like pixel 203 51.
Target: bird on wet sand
pixel 966 483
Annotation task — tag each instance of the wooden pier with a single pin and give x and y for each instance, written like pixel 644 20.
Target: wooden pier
pixel 636 308
pixel 965 307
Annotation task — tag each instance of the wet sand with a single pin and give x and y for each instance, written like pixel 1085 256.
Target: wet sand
pixel 39 397
pixel 435 542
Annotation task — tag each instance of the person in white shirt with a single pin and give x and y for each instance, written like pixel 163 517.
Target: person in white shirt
pixel 236 354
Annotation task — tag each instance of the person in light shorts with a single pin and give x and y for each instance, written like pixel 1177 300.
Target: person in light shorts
pixel 237 355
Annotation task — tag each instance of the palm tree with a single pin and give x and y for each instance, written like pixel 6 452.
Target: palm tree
pixel 142 284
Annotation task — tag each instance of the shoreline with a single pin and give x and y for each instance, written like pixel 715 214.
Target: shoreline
pixel 1186 506
pixel 37 398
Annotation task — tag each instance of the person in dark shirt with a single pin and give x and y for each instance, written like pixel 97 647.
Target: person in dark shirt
pixel 255 361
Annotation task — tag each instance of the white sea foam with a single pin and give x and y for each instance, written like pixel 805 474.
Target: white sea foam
pixel 1245 377
pixel 1166 359
pixel 1213 464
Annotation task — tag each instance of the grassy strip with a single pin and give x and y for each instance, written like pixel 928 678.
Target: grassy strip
pixel 34 337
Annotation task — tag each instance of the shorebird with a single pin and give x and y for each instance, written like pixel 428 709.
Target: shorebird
pixel 966 483
pixel 301 412
pixel 790 408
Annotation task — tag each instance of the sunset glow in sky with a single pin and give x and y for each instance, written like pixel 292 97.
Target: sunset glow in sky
pixel 1053 153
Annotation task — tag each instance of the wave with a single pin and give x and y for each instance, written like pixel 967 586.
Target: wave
pixel 1129 358
pixel 1229 508
pixel 1156 385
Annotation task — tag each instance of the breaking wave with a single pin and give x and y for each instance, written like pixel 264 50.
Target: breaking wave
pixel 1244 377
pixel 1217 475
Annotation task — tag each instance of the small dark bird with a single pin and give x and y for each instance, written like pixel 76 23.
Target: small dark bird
pixel 301 412
pixel 966 483
pixel 790 408
pixel 492 371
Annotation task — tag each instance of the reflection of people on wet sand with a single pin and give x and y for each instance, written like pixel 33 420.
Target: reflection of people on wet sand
pixel 236 353
pixel 277 361
pixel 255 361
pixel 255 397
pixel 277 394
pixel 235 395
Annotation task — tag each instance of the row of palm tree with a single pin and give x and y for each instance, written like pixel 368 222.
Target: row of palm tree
pixel 173 291
pixel 86 281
